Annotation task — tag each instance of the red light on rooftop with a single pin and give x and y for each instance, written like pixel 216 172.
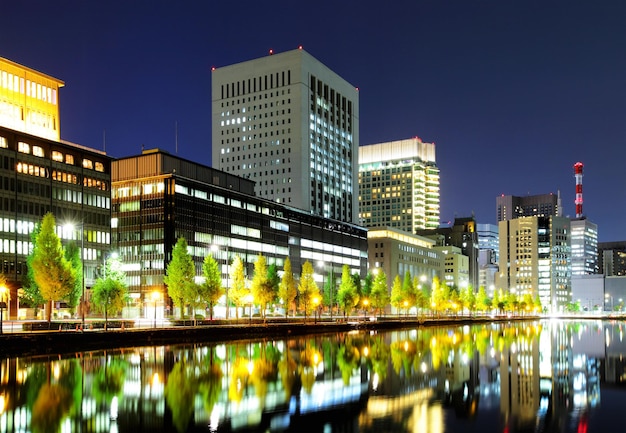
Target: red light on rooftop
pixel 212 68
pixel 299 47
pixel 271 51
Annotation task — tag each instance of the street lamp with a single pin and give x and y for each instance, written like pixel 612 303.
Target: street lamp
pixel 250 300
pixel 155 298
pixel 3 304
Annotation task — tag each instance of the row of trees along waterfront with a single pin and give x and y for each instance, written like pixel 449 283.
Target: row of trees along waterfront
pixel 55 273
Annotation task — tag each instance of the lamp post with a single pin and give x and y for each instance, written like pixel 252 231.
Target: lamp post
pixel 250 300
pixel 3 304
pixel 155 298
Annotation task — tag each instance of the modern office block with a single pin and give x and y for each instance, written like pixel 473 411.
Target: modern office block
pixel 535 258
pixel 399 185
pixel 40 174
pixel 510 207
pixel 584 239
pixel 291 125
pixel 612 258
pixel 158 197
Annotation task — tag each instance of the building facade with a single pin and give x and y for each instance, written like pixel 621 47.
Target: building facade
pixel 290 124
pixel 584 238
pixel 158 198
pixel 40 174
pixel 29 100
pixel 399 185
pixel 509 207
pixel 397 252
pixel 612 258
pixel 535 258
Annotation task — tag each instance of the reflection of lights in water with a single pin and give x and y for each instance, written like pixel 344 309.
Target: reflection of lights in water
pixel 55 370
pixel 513 347
pixel 366 351
pixel 250 367
pixel 114 408
pixel 375 380
pixel 424 367
pixel 406 346
pixel 607 337
pixel 492 352
pixel 214 420
pixel 465 358
pixel 2 403
pixel 155 380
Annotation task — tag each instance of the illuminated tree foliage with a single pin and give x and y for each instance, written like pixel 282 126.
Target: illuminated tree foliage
pixel 211 289
pixel 379 297
pixel 179 275
pixel 287 289
pixel 110 292
pixel 180 391
pixel 307 289
pixel 72 254
pixel 238 291
pixel 348 296
pixel 261 287
pixel 52 272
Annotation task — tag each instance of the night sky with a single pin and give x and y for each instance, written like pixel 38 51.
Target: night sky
pixel 513 93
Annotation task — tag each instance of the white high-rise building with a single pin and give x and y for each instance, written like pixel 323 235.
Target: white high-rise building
pixel 584 238
pixel 290 124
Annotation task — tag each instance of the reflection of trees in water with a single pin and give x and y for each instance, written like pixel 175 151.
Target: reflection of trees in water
pixel 108 380
pixel 52 405
pixel 179 392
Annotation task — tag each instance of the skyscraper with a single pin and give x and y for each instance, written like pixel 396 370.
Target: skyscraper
pixel 399 185
pixel 291 125
pixel 584 240
pixel 535 259
pixel 509 206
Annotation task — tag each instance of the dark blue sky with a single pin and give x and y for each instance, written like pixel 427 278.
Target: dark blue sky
pixel 512 92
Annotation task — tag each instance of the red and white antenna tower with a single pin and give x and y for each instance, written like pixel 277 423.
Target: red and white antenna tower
pixel 578 174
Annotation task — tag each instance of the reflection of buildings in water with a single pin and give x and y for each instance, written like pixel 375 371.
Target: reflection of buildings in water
pixel 519 380
pixel 614 370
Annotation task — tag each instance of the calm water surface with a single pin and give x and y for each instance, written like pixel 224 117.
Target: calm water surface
pixel 548 376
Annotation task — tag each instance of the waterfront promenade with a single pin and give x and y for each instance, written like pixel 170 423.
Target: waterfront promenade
pixel 30 338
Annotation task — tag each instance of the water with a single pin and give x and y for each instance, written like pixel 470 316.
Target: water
pixel 548 376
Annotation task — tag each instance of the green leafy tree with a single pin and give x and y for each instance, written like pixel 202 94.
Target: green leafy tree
pixel 420 300
pixel 440 296
pixel 537 304
pixel 238 292
pixel 72 254
pixel 358 284
pixel 307 289
pixel 397 294
pixel 273 281
pixel 31 296
pixel 52 272
pixel 368 282
pixel 330 290
pixel 379 296
pixel 287 289
pixel 212 289
pixel 482 300
pixel 261 287
pixel 468 299
pixel 347 296
pixel 110 293
pixel 180 274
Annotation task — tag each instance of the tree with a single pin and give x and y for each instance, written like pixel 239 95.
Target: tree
pixel 368 282
pixel 31 294
pixel 72 254
pixel 468 299
pixel 482 301
pixel 287 290
pixel 379 296
pixel 261 287
pixel 273 281
pixel 397 295
pixel 308 289
pixel 238 291
pixel 52 273
pixel 330 290
pixel 179 275
pixel 110 293
pixel 212 289
pixel 347 296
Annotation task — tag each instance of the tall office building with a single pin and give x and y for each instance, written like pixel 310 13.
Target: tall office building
pixel 41 174
pixel 399 185
pixel 488 249
pixel 291 125
pixel 584 238
pixel 509 206
pixel 535 259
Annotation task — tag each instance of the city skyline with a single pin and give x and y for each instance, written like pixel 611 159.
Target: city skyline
pixel 512 95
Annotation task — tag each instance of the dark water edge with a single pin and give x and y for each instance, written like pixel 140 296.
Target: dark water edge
pixel 35 343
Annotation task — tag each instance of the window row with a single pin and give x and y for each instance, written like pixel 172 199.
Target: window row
pixel 15 83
